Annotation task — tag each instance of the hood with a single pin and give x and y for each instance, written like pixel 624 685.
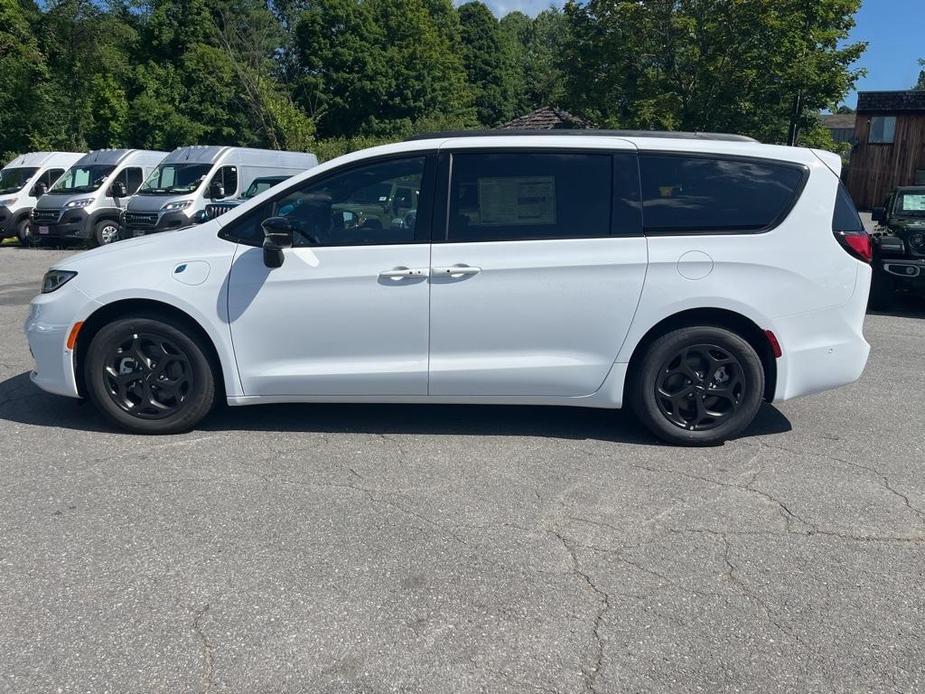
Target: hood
pixel 907 224
pixel 177 244
pixel 54 201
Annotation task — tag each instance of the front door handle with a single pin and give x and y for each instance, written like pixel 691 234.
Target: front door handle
pixel 460 270
pixel 403 273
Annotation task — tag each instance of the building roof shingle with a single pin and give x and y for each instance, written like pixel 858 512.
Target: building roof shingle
pixel 547 118
pixel 876 102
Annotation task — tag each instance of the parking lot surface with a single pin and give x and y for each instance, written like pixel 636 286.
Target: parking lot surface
pixel 315 548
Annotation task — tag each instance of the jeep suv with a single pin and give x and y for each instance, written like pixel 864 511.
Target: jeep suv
pixel 899 246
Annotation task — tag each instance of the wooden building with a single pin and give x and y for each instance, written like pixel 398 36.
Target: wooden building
pixel 890 135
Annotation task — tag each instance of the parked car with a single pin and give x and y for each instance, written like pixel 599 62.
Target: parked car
pixel 88 199
pixel 25 179
pixel 257 186
pixel 899 246
pixel 592 270
pixel 192 177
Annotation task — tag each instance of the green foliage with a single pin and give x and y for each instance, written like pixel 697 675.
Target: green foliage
pixel 490 61
pixel 761 67
pixel 921 83
pixel 332 76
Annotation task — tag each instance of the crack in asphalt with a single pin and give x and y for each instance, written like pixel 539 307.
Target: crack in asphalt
pixel 589 675
pixel 207 649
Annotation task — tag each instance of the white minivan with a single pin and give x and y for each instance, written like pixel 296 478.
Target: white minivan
pixel 690 277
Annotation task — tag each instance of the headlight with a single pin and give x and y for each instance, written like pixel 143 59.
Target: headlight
pixel 179 205
pixel 83 202
pixel 9 202
pixel 55 279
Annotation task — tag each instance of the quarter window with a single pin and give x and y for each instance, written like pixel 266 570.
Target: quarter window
pixel 882 130
pixel 700 194
pixel 511 196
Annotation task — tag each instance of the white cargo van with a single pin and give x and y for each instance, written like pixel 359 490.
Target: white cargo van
pixel 86 202
pixel 189 178
pixel 22 182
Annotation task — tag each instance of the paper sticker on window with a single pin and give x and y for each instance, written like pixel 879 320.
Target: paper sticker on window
pixel 513 200
pixel 913 203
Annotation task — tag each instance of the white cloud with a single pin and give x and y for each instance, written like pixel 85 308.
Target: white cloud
pixel 530 8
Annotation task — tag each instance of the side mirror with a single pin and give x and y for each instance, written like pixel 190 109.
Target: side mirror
pixel 39 189
pixel 200 217
pixel 878 214
pixel 216 191
pixel 117 190
pixel 277 236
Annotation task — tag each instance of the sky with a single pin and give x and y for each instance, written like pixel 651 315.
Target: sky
pixel 894 30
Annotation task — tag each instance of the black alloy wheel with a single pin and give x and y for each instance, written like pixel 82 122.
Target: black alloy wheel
pixel 700 387
pixel 697 385
pixel 150 375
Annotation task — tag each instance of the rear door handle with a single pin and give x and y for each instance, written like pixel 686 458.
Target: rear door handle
pixel 456 271
pixel 403 273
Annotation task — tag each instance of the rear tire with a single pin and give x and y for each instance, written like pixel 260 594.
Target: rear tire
pixel 149 375
pixel 882 290
pixel 697 386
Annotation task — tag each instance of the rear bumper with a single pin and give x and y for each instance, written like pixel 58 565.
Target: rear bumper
pixel 825 349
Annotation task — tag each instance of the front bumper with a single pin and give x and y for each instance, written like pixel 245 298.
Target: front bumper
pixel 70 224
pixel 51 317
pixel 142 223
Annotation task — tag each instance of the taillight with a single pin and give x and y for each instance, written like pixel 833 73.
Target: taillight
pixel 857 243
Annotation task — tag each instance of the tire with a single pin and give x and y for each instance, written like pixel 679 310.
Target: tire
pixel 149 375
pixel 25 235
pixel 106 231
pixel 715 381
pixel 882 290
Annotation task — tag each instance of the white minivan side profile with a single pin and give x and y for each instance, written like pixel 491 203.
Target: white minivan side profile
pixel 690 277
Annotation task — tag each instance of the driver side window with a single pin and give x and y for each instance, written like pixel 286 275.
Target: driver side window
pixel 364 205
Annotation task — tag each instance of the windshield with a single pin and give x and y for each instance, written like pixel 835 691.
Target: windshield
pixel 82 179
pixel 261 184
pixel 14 180
pixel 174 179
pixel 911 204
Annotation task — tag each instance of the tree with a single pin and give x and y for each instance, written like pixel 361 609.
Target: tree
pixel 536 47
pixel 23 74
pixel 763 67
pixel 489 64
pixel 921 83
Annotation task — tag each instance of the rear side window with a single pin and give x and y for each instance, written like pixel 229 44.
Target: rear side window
pixel 846 217
pixel 512 196
pixel 703 194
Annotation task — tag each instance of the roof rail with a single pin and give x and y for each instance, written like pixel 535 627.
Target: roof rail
pixel 723 137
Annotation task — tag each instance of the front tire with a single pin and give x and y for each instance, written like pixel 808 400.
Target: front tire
pixel 149 375
pixel 24 233
pixel 105 232
pixel 697 386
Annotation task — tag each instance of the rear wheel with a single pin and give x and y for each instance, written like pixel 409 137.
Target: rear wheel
pixel 882 290
pixel 149 376
pixel 698 386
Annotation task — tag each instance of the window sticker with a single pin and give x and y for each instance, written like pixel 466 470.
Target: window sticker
pixel 514 200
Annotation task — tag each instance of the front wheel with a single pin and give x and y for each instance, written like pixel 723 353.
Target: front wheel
pixel 105 232
pixel 25 235
pixel 698 386
pixel 149 376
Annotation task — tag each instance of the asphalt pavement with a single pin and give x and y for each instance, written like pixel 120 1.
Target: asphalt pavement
pixel 387 548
